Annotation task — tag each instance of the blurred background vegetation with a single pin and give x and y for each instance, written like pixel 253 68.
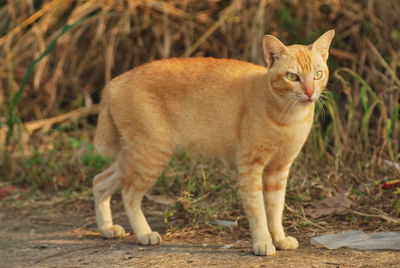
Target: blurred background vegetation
pixel 57 55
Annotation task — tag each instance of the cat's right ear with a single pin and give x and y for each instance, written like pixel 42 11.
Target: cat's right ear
pixel 273 50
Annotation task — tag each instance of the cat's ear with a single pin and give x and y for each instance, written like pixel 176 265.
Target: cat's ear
pixel 273 50
pixel 321 45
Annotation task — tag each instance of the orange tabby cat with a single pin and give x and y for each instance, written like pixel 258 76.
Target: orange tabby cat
pixel 257 117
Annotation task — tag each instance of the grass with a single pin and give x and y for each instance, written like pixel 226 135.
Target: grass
pixel 200 187
pixel 59 54
pixel 68 164
pixel 205 189
pixel 12 119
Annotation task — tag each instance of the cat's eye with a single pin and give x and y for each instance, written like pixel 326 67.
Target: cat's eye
pixel 318 75
pixel 292 76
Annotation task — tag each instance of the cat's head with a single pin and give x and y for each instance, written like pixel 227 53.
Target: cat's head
pixel 297 72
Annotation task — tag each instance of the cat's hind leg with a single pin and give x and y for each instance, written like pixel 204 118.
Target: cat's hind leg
pixel 142 165
pixel 105 185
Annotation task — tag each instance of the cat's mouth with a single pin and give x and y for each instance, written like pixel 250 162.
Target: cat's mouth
pixel 306 101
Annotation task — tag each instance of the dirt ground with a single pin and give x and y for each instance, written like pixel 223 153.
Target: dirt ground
pixel 63 234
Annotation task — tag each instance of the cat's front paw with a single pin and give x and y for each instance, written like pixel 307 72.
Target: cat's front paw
pixel 114 231
pixel 152 238
pixel 287 243
pixel 264 248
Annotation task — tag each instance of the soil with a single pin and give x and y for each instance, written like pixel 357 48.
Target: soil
pixel 62 234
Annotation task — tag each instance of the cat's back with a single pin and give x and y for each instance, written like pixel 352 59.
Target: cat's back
pixel 184 74
pixel 202 83
pixel 198 65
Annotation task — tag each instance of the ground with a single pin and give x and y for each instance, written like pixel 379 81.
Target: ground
pixel 60 233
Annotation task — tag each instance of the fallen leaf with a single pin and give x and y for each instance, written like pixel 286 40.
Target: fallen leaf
pixel 392 164
pixel 11 192
pixel 62 181
pixel 224 223
pixel 7 190
pixel 390 184
pixel 161 199
pixel 336 205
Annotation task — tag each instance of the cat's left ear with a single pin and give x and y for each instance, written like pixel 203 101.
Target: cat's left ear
pixel 321 45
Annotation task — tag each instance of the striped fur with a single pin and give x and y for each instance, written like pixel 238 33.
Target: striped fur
pixel 254 116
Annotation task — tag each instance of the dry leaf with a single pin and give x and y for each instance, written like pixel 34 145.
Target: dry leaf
pixel 161 199
pixel 338 204
pixel 11 192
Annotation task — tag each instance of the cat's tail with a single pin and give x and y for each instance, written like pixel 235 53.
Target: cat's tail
pixel 106 139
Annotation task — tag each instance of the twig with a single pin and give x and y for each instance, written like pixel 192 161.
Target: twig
pixel 77 230
pixel 38 124
pixel 382 215
pixel 304 218
pixel 59 253
pixel 168 8
pixel 383 62
pixel 32 126
pixel 212 29
pixel 30 20
pixel 339 53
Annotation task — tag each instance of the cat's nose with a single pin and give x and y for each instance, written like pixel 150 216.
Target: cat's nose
pixel 309 93
pixel 308 89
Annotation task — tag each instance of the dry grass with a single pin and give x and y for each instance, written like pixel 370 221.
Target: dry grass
pixel 361 124
pixel 118 35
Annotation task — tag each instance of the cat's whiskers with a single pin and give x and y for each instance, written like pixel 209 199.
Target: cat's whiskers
pixel 321 102
pixel 321 108
pixel 284 98
pixel 290 111
pixel 325 95
pixel 289 101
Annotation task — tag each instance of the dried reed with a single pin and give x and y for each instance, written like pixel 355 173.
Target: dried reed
pixel 362 117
